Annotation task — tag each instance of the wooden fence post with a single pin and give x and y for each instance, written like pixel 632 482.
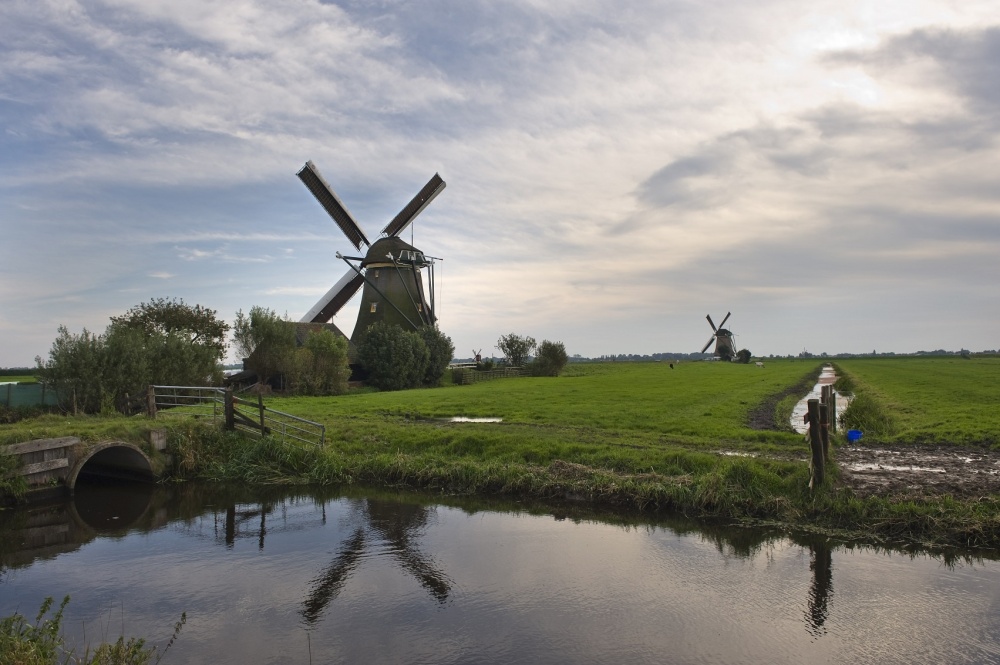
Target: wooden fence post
pixel 824 430
pixel 151 401
pixel 833 410
pixel 260 405
pixel 230 408
pixel 815 442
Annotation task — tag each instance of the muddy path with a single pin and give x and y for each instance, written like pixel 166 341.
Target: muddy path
pixel 914 471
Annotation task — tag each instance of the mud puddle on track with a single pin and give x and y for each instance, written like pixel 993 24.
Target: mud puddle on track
pixel 914 471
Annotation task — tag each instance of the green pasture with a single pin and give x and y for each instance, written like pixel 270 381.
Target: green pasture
pixel 937 399
pixel 18 379
pixel 694 403
pixel 634 434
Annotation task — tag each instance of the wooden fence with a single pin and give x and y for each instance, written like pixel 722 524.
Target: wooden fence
pixel 822 418
pixel 466 375
pixel 233 412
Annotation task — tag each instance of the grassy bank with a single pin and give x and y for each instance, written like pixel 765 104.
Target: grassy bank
pixel 635 435
pixel 940 400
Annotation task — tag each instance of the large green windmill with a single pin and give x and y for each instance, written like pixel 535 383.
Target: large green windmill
pixel 725 344
pixel 390 270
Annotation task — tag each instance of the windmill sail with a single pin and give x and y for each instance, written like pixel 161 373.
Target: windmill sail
pixel 410 211
pixel 334 299
pixel 312 179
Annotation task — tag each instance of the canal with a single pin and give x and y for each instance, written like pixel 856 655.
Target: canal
pixel 346 576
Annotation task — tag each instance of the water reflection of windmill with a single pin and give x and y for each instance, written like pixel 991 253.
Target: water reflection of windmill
pixel 390 270
pixel 397 526
pixel 725 344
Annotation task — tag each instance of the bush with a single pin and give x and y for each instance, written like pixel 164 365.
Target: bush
pixel 320 367
pixel 743 356
pixel 550 360
pixel 441 352
pixel 162 342
pixel 395 359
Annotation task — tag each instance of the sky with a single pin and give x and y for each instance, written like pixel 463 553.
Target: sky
pixel 616 170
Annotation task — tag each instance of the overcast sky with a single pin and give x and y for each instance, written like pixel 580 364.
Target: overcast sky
pixel 828 171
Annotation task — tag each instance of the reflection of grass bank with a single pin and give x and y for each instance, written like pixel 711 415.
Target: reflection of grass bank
pixel 635 435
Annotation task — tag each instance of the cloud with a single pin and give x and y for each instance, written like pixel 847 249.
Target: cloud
pixel 612 168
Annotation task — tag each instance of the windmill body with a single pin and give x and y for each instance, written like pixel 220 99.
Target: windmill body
pixel 725 343
pixel 390 271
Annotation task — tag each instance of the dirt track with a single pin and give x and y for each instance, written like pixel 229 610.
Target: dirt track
pixel 914 471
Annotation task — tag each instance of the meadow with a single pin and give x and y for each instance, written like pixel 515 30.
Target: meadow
pixel 939 400
pixel 705 438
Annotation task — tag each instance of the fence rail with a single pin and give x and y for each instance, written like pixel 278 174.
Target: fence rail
pixel 235 412
pixel 467 376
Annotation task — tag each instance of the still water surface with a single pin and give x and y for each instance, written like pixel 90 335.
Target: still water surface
pixel 285 576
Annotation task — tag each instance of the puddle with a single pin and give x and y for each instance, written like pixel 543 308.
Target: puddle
pixel 463 419
pixel 826 377
pixel 889 467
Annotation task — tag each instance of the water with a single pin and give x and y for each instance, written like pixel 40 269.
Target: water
pixel 827 377
pixel 272 576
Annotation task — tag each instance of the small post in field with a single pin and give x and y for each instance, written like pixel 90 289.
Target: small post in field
pixel 815 442
pixel 230 408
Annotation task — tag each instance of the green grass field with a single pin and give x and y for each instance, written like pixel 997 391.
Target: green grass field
pixel 18 379
pixel 945 399
pixel 634 434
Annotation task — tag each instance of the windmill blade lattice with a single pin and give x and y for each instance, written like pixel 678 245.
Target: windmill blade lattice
pixel 312 179
pixel 410 211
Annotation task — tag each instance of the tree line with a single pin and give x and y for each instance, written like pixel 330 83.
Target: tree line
pixel 169 342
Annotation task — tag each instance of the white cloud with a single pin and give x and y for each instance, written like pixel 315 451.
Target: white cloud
pixel 641 162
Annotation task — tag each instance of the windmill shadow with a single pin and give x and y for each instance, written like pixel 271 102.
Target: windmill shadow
pixel 398 526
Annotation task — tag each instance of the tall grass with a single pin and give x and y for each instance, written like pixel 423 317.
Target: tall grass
pixel 42 643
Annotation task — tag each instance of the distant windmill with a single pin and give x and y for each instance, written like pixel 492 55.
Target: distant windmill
pixel 390 270
pixel 725 345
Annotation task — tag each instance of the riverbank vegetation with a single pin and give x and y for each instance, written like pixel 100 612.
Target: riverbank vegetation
pixel 42 643
pixel 637 435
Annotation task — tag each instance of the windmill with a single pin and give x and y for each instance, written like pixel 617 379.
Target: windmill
pixel 390 271
pixel 725 345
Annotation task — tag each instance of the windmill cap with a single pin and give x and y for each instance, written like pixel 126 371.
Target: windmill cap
pixel 391 245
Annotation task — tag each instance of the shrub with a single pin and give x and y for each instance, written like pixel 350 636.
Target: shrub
pixel 441 352
pixel 320 367
pixel 395 359
pixel 743 356
pixel 550 360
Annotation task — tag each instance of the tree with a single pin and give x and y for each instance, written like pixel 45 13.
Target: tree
pixel 516 349
pixel 441 353
pixel 196 324
pixel 265 341
pixel 743 356
pixel 550 359
pixel 320 366
pixel 75 369
pixel 395 359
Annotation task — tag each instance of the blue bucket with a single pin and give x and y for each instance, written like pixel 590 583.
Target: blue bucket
pixel 853 435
